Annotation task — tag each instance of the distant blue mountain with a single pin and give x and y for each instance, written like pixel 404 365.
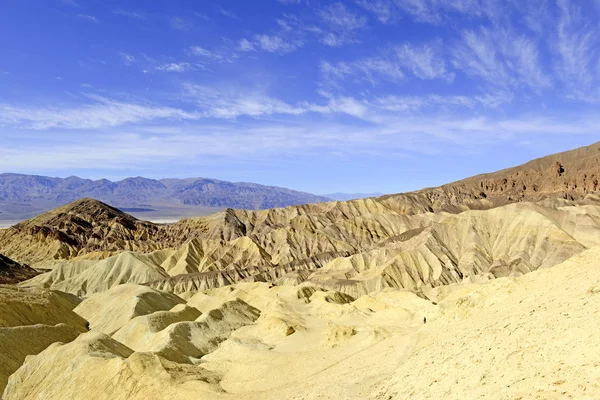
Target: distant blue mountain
pixel 23 194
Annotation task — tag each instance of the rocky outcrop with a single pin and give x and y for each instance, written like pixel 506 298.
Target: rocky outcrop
pixel 12 272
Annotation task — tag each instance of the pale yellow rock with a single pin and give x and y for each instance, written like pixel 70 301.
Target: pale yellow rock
pixel 37 306
pixel 356 247
pixel 109 311
pixel 186 341
pixel 87 277
pixel 31 320
pixel 97 367
pixel 138 332
pixel 18 342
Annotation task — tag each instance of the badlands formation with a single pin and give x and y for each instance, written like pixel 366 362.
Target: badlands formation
pixel 483 288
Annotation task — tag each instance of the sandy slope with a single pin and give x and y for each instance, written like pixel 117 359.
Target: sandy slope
pixel 31 320
pixel 532 336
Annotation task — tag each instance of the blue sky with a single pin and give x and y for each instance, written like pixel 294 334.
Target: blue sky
pixel 321 96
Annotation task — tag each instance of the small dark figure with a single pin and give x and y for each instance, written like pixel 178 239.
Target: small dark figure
pixel 87 325
pixel 424 320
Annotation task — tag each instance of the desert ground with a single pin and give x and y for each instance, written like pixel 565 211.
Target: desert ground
pixel 485 288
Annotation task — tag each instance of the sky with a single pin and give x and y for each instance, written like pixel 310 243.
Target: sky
pixel 321 96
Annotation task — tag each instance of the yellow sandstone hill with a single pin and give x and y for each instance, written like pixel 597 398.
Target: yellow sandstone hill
pixel 368 251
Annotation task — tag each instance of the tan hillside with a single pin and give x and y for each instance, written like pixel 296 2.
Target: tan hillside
pixel 531 338
pixel 90 229
pixel 83 226
pixel 571 175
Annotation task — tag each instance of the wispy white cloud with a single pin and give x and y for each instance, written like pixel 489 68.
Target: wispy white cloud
pixel 384 10
pixel 340 105
pixel 391 64
pixel 492 65
pixel 180 24
pixel 501 58
pixel 577 51
pixel 340 24
pixel 233 103
pixel 202 16
pixel 222 103
pixel 437 11
pixel 424 61
pixel 89 18
pixel 175 67
pixel 228 13
pixel 246 45
pixel 370 69
pixel 225 55
pixel 270 44
pixel 421 10
pixel 275 44
pixel 100 113
pixel 526 63
pixel 477 55
pixel 200 51
pixel 535 14
pixel 130 14
pixel 339 16
pixel 127 59
pixel 163 143
pixel 409 104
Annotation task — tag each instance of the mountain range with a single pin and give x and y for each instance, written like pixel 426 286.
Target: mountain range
pixel 23 196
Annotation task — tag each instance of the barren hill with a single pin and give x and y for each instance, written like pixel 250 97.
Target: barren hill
pixel 83 226
pixel 571 175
